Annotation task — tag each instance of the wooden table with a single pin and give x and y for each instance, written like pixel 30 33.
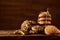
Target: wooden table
pixel 8 35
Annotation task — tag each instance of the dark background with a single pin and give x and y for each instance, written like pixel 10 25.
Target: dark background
pixel 14 12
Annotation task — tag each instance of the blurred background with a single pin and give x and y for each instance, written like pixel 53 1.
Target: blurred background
pixel 14 12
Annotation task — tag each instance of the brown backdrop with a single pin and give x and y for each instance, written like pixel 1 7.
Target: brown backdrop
pixel 14 12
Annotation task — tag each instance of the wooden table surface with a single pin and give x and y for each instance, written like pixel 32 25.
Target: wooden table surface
pixel 11 33
pixel 8 34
